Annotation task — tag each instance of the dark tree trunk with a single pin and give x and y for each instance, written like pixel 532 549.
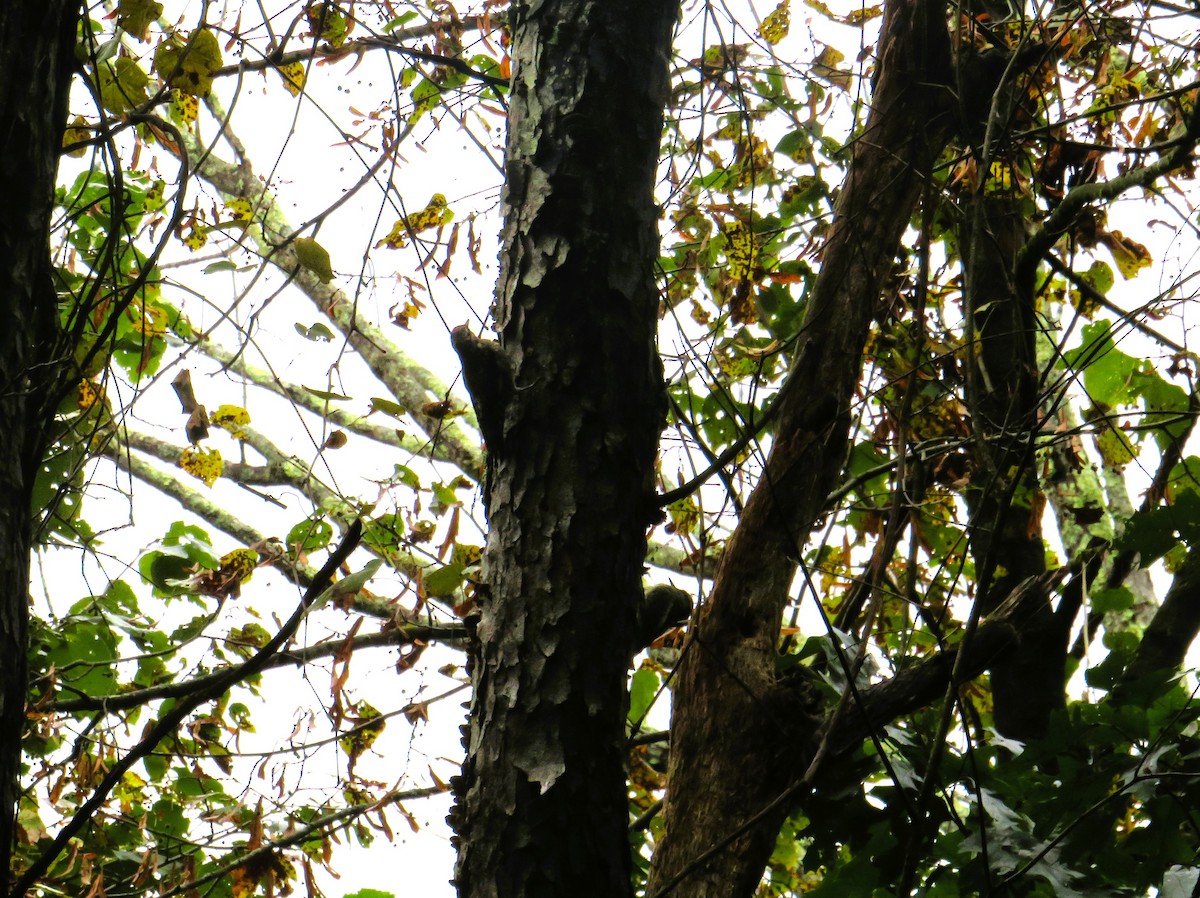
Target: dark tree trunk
pixel 1006 504
pixel 738 736
pixel 37 42
pixel 571 404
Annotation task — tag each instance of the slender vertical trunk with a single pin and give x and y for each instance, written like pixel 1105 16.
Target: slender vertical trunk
pixel 37 42
pixel 571 403
pixel 1006 505
pixel 740 737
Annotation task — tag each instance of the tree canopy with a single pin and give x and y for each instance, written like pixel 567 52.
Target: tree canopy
pixel 866 328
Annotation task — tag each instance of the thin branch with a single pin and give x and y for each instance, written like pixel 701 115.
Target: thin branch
pixel 170 720
pixel 410 383
pixel 328 823
pixel 297 657
pixel 1064 215
pixel 391 43
pixel 1091 293
pixel 298 395
pixel 279 471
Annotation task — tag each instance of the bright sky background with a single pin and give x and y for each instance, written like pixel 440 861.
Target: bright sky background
pixel 292 142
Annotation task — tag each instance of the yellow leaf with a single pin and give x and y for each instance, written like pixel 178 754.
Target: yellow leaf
pixel 1130 256
pixel 189 66
pixel 203 464
pixel 741 250
pixel 294 75
pixel 825 67
pixel 241 209
pixel 149 320
pixel 185 108
pixel 232 418
pixel 88 394
pixel 314 257
pixel 196 237
pixel 436 213
pixel 1115 447
pixel 775 25
pixel 368 726
pixel 239 564
pixel 78 132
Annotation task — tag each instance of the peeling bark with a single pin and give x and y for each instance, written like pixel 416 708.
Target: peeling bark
pixel 37 43
pixel 732 721
pixel 572 429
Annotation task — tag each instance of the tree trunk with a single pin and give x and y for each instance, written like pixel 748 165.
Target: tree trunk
pixel 738 736
pixel 37 42
pixel 570 403
pixel 1029 684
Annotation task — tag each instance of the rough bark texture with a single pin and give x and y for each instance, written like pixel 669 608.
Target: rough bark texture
pixel 733 722
pixel 571 404
pixel 1006 531
pixel 37 43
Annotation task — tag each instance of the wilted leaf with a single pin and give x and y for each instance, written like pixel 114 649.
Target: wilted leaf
pixel 203 464
pixel 336 440
pixel 232 418
pixel 1130 256
pixel 435 213
pixel 775 25
pixel 293 76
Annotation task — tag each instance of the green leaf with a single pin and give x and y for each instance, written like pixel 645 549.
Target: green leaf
pixel 444 498
pixel 642 690
pixel 310 535
pixel 371 893
pixel 222 265
pixel 314 257
pixel 57 492
pixel 85 655
pixel 444 581
pixel 122 85
pixel 399 22
pixel 327 395
pixel 1155 531
pixel 169 819
pixel 1099 276
pixel 316 332
pixel 387 406
pixel 1108 600
pixel 156 767
pixel 349 584
pixel 1107 372
pixel 407 476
